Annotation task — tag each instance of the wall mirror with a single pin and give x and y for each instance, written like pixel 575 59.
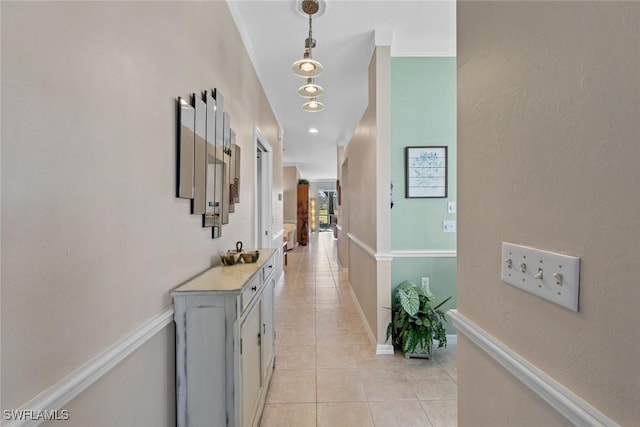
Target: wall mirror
pixel 236 196
pixel 226 156
pixel 211 218
pixel 185 146
pixel 199 156
pixel 232 173
pixel 220 171
pixel 208 159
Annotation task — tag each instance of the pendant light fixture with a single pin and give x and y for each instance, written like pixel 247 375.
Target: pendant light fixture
pixel 310 90
pixel 313 105
pixel 308 67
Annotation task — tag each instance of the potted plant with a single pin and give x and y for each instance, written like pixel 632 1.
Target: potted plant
pixel 415 320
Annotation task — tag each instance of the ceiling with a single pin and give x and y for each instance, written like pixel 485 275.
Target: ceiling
pixel 274 32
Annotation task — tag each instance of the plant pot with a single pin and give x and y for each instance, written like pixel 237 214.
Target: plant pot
pixel 420 352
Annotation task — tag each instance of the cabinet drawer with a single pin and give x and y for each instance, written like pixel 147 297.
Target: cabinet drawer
pixel 267 269
pixel 248 292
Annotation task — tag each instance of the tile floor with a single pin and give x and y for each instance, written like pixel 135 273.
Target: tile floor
pixel 327 372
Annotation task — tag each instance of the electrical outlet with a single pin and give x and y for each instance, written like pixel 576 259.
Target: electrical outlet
pixel 549 275
pixel 425 285
pixel 449 226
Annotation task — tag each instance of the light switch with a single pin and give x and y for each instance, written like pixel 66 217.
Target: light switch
pixel 449 226
pixel 451 207
pixel 549 275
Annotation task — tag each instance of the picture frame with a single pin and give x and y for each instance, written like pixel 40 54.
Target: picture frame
pixel 426 172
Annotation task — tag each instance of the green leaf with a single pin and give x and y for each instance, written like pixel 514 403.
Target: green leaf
pixel 409 300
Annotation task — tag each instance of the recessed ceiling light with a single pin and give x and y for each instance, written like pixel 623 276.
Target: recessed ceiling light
pixel 313 130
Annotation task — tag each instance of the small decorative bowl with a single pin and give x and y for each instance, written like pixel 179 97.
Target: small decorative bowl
pixel 250 256
pixel 230 257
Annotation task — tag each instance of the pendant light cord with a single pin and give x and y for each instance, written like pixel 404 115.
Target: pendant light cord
pixel 310 37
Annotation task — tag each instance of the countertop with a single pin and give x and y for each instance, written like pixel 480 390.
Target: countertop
pixel 225 278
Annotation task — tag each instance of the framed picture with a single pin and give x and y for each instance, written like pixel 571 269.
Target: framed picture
pixel 426 172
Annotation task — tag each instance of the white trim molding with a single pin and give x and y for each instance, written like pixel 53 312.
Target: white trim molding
pixel 368 249
pixel 279 234
pixel 427 253
pixel 568 404
pixel 61 393
pixel 443 253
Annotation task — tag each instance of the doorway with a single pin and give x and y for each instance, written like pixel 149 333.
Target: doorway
pixel 327 209
pixel 263 185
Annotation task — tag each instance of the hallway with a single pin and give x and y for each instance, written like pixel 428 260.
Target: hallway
pixel 326 371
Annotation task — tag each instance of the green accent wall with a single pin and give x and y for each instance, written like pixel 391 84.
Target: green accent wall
pixel 423 113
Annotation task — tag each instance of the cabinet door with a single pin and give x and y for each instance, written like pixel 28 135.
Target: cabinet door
pixel 268 335
pixel 205 368
pixel 250 364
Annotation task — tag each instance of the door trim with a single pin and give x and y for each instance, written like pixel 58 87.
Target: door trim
pixel 260 142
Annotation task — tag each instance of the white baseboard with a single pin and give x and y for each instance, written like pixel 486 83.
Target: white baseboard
pixel 568 404
pixel 58 395
pixel 384 349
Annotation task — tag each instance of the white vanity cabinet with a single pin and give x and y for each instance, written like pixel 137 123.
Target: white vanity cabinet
pixel 225 344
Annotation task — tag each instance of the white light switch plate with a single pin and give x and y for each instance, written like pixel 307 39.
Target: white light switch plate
pixel 549 275
pixel 449 226
pixel 451 207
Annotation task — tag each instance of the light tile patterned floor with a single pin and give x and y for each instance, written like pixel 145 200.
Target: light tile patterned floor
pixel 327 372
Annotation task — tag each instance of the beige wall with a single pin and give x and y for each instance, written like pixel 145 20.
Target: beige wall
pixel 365 178
pixel 361 154
pixel 93 235
pixel 548 157
pixel 139 378
pixel 362 277
pixel 360 186
pixel 290 176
